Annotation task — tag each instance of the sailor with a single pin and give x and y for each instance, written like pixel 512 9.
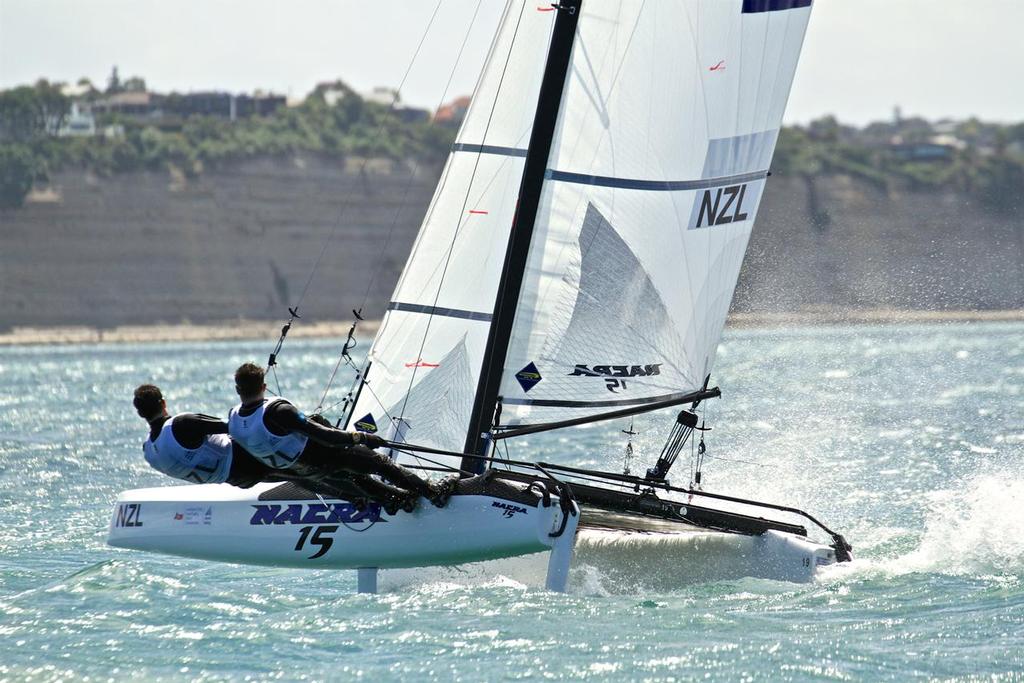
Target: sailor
pixel 194 447
pixel 282 437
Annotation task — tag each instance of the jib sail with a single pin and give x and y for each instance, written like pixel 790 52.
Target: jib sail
pixel 426 358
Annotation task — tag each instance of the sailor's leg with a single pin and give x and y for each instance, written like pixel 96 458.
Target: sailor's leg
pixel 340 487
pixel 360 460
pixel 246 471
pixel 378 491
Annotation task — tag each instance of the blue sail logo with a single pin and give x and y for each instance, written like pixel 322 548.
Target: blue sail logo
pixel 528 377
pixel 366 424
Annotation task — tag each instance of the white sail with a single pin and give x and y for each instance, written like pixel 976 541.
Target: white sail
pixel 427 356
pixel 667 125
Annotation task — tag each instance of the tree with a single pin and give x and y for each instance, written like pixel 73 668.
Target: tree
pixel 114 82
pixel 52 104
pixel 134 84
pixel 17 171
pixel 19 116
pixel 27 113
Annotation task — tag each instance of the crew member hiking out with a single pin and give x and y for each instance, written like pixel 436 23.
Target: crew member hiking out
pixel 194 447
pixel 281 436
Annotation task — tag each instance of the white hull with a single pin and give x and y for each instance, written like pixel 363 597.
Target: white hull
pixel 665 561
pixel 223 523
pixel 622 562
pixel 250 526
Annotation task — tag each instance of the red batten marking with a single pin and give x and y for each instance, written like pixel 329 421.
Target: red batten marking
pixel 421 364
pixel 718 67
pixel 545 9
pixel 478 213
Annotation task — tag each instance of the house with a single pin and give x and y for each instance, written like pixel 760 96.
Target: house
pixel 451 114
pixel 133 104
pixel 78 123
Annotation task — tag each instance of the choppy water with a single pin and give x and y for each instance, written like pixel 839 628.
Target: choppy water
pixel 908 439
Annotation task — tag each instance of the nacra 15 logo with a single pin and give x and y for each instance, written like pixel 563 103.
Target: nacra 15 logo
pixel 314 513
pixel 508 508
pixel 615 375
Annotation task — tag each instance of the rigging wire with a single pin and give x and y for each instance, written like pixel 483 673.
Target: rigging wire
pixel 293 310
pixel 465 202
pixel 444 182
pixel 408 186
pixel 351 343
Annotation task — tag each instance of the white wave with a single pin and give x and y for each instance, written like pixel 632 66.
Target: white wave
pixel 977 529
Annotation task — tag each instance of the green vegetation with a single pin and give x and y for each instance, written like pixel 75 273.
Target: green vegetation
pixel 30 151
pixel 984 161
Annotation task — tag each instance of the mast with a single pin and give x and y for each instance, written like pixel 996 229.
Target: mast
pixel 509 286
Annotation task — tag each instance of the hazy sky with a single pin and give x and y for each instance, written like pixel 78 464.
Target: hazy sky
pixel 861 57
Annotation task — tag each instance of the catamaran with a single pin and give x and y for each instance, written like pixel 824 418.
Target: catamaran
pixel 575 265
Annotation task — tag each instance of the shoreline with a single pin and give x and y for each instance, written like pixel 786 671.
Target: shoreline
pixel 243 330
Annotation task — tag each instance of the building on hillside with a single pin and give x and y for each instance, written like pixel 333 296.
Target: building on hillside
pixel 411 114
pixel 383 95
pixel 151 106
pixel 77 123
pixel 332 92
pixel 451 114
pixel 922 151
pixel 77 91
pixel 132 104
pixel 224 105
pixel 258 104
pixel 392 100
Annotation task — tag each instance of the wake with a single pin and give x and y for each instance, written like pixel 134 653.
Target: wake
pixel 973 530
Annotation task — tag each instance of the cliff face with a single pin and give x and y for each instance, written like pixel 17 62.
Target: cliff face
pixel 237 242
pixel 835 242
pixel 241 242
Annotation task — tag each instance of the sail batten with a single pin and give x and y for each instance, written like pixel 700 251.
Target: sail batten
pixel 437 310
pixel 489 149
pixel 653 185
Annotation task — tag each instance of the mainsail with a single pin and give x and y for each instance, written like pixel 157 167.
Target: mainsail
pixel 666 125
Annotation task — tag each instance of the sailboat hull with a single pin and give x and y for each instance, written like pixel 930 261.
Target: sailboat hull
pixel 667 560
pixel 285 526
pixel 278 526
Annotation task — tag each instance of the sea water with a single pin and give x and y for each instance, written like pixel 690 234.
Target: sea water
pixel 908 439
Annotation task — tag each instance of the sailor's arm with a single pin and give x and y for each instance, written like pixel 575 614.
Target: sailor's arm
pixel 190 429
pixel 289 418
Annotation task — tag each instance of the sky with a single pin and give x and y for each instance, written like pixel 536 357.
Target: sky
pixel 861 58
